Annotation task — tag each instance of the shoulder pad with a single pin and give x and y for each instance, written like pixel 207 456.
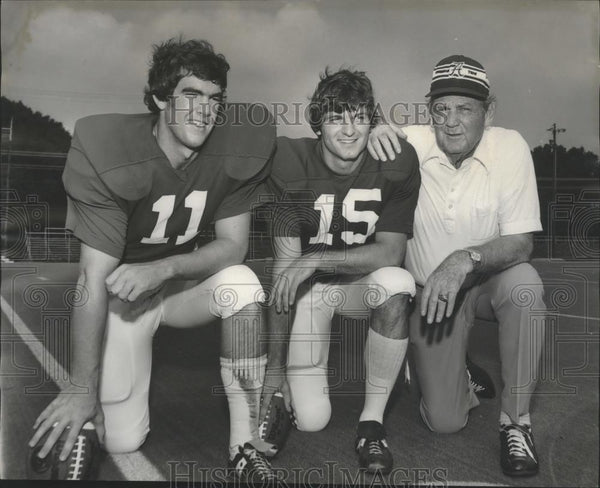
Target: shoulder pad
pixel 244 137
pixel 117 146
pixel 292 158
pixel 405 164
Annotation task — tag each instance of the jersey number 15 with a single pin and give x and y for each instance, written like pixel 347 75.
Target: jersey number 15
pixel 324 205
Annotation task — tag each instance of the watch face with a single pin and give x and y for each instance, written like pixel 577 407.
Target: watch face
pixel 475 256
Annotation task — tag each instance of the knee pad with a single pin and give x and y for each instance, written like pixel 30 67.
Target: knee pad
pixel 313 416
pixel 126 424
pixel 310 400
pixel 236 287
pixel 393 280
pixel 122 444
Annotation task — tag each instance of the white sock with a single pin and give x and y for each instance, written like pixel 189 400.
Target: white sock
pixel 524 419
pixel 383 360
pixel 243 379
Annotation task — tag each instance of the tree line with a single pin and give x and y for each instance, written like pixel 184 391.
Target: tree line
pixel 575 162
pixel 33 131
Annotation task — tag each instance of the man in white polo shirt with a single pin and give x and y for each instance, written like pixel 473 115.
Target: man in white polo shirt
pixel 477 209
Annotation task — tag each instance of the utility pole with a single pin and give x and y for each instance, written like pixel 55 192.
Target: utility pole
pixel 7 136
pixel 554 131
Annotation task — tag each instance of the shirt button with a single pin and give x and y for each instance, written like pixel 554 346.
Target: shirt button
pixel 451 190
pixel 450 206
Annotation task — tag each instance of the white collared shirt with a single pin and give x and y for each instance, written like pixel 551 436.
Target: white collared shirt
pixel 493 193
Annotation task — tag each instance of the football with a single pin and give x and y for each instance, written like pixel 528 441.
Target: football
pixel 275 427
pixel 78 466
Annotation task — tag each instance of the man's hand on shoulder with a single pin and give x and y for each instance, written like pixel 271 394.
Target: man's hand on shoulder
pixel 384 141
pixel 132 281
pixel 70 409
pixel 443 285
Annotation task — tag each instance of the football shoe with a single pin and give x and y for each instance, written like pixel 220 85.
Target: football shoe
pixel 518 456
pixel 373 452
pixel 251 466
pixel 480 381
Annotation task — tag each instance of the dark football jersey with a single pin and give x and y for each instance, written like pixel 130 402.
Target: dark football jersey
pixel 328 210
pixel 125 198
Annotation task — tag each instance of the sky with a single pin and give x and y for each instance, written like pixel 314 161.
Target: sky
pixel 72 59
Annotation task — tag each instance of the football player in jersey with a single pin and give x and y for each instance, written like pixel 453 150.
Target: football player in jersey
pixel 141 189
pixel 340 230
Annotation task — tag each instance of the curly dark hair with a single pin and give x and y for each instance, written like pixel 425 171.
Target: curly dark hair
pixel 176 58
pixel 336 92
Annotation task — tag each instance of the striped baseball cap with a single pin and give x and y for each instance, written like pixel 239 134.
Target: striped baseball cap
pixel 459 75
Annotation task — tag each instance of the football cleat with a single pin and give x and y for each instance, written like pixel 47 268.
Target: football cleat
pixel 517 450
pixel 251 466
pixel 373 452
pixel 480 381
pixel 79 465
pixel 275 427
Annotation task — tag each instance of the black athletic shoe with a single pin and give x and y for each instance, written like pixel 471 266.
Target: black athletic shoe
pixel 373 451
pixel 480 381
pixel 517 450
pixel 250 465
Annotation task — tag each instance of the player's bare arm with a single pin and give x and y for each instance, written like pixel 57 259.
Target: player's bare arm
pixel 286 251
pixel 453 273
pixel 132 281
pixel 388 249
pixel 275 373
pixel 289 277
pixel 79 403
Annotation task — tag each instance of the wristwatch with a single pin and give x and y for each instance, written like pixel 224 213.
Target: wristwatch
pixel 475 257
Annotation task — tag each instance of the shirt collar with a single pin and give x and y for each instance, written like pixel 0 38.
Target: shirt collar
pixel 482 153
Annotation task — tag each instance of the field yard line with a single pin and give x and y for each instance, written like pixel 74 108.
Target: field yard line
pixel 35 346
pixel 134 466
pixel 568 315
pixel 471 483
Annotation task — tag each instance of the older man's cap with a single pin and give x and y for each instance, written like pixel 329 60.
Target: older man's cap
pixel 459 75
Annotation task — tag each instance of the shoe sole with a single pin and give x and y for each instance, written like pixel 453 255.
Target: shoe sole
pixel 373 469
pixel 520 474
pixel 234 477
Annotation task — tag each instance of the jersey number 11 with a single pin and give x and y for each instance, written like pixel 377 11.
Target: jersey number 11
pixel 165 205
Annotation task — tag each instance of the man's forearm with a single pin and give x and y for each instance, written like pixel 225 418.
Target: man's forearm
pixel 88 323
pixel 203 262
pixel 501 253
pixel 279 335
pixel 363 259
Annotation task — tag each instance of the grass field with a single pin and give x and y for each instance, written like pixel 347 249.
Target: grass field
pixel 189 421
